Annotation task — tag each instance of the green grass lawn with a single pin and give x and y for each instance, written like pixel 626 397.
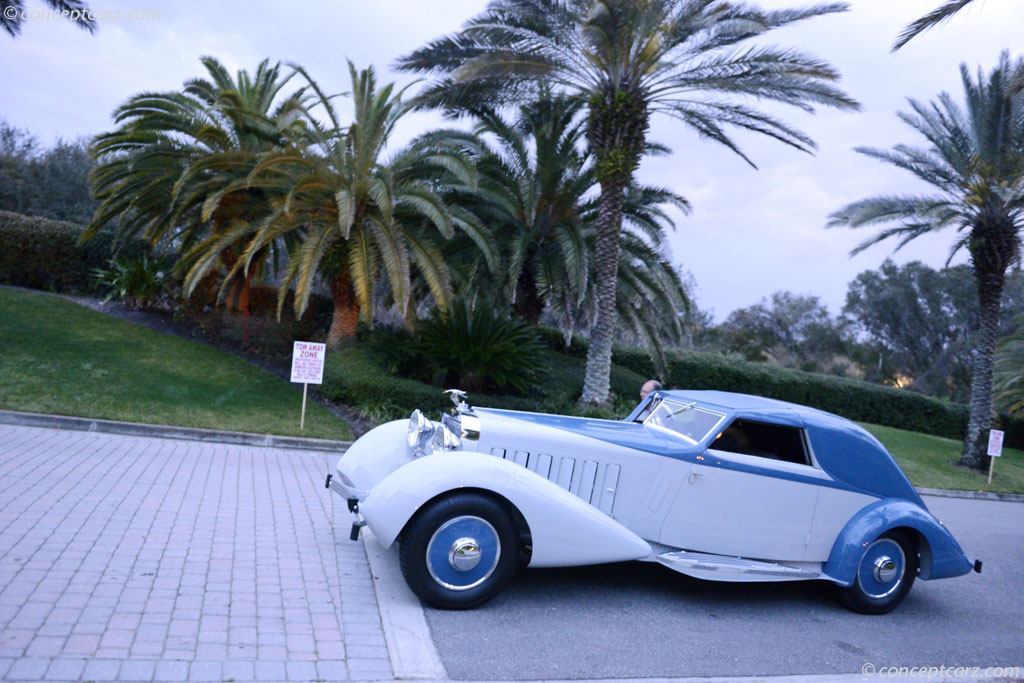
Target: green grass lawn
pixel 930 462
pixel 59 357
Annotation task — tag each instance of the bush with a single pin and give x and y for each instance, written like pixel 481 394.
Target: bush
pixel 637 360
pixel 138 282
pixel 44 254
pixel 483 347
pixel 259 332
pixel 353 376
pixel 853 399
pixel 360 376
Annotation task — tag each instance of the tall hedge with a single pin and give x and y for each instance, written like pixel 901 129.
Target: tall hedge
pixel 44 254
pixel 853 399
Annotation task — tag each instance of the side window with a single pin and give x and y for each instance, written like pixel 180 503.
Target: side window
pixel 764 440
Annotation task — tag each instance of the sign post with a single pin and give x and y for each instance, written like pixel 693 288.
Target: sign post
pixel 307 368
pixel 995 450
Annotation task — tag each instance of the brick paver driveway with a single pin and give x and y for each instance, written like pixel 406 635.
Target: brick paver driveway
pixel 126 558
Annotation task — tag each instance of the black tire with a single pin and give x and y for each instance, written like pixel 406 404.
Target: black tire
pixel 880 587
pixel 439 546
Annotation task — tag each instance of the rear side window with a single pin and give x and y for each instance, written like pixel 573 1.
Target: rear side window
pixel 764 440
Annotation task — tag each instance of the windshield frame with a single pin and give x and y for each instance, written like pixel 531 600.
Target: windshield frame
pixel 681 405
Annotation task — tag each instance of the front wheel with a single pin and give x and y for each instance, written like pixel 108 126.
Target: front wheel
pixel 885 575
pixel 460 551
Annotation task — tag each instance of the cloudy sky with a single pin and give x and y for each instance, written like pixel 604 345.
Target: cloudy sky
pixel 752 232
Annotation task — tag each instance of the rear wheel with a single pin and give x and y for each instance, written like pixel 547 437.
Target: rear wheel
pixel 885 575
pixel 459 551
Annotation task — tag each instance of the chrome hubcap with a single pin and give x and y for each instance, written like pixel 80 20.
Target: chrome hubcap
pixel 885 569
pixel 464 555
pixel 881 568
pixel 463 552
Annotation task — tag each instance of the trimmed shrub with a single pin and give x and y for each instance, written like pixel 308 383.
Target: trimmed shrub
pixel 635 359
pixel 853 399
pixel 360 376
pixel 555 340
pixel 44 254
pixel 355 377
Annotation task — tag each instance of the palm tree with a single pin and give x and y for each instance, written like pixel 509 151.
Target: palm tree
pixel 625 60
pixel 533 179
pixel 535 195
pixel 350 210
pixel 939 15
pixel 12 14
pixel 975 159
pixel 1009 371
pixel 175 169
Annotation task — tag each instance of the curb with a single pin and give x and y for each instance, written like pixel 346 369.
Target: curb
pixel 411 647
pixel 85 424
pixel 973 495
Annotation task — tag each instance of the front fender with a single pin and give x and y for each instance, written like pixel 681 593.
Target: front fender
pixel 942 558
pixel 565 531
pixel 373 456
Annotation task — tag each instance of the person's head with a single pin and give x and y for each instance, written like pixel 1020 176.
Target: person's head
pixel 649 386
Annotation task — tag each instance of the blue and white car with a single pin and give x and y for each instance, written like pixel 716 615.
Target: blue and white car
pixel 715 485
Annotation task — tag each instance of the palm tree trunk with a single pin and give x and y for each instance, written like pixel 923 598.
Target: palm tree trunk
pixel 345 321
pixel 597 379
pixel 240 291
pixel 529 303
pixel 990 293
pixel 616 133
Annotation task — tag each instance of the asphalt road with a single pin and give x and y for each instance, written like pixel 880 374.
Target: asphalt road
pixel 643 620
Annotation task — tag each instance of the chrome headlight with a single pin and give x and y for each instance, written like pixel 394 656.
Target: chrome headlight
pixel 421 434
pixel 447 437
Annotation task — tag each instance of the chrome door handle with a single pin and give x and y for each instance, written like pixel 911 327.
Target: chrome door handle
pixel 694 475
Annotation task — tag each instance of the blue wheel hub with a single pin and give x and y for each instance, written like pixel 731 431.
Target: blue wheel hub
pixel 882 568
pixel 463 552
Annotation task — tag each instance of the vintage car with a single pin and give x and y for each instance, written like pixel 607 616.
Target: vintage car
pixel 716 485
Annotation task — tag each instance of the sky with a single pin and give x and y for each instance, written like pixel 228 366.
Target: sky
pixel 751 233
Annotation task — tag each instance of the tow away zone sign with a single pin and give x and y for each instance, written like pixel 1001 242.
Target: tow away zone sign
pixel 995 450
pixel 307 368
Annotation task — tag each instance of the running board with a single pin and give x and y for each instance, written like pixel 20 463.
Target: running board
pixel 725 568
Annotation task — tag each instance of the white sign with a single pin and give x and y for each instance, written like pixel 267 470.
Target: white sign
pixel 995 443
pixel 308 362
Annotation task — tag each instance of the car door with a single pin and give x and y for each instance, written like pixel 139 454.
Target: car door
pixel 751 498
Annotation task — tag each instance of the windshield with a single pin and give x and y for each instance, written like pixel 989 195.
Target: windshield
pixel 687 420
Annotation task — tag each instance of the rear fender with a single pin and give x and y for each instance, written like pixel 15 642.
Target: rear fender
pixel 564 530
pixel 942 558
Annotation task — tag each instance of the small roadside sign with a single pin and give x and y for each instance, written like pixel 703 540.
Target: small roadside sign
pixel 995 443
pixel 995 450
pixel 307 368
pixel 308 362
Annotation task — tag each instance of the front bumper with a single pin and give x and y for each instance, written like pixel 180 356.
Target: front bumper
pixel 334 484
